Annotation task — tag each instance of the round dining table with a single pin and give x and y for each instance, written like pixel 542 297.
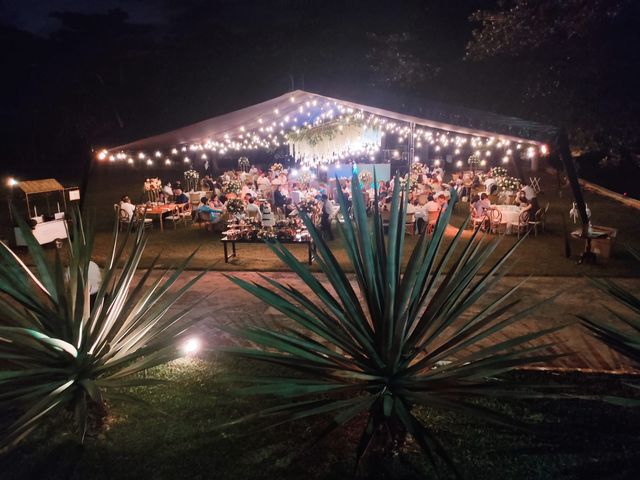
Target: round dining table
pixel 510 215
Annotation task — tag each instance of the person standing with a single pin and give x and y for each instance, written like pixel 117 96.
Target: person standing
pixel 325 218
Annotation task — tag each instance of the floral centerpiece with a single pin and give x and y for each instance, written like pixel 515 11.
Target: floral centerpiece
pixel 235 206
pixel 152 188
pixel 497 172
pixel 234 185
pixel 244 164
pixel 473 161
pixel 307 206
pixel 417 168
pixel 191 176
pixel 508 184
pixel 277 168
pixel 365 179
pixel 305 178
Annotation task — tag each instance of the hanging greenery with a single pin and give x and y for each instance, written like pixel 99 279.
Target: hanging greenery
pixel 328 131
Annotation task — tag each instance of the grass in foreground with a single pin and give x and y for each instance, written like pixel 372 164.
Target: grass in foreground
pixel 171 437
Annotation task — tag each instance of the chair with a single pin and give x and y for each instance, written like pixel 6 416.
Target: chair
pixel 186 214
pixel 194 199
pixel 174 217
pixel 495 221
pixel 523 222
pixel 537 221
pixel 410 223
pixel 535 184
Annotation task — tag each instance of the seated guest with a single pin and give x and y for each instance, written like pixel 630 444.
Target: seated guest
pixel 490 184
pixel 215 202
pixel 127 207
pixel 532 208
pixel 529 192
pixel 181 198
pixel 481 205
pixel 208 183
pixel 442 201
pixel 247 189
pixel 167 190
pixel 214 213
pixel 253 210
pixel 521 199
pixel 431 205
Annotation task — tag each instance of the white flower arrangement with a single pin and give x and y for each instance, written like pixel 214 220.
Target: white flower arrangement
pixel 508 184
pixel 233 186
pixel 152 187
pixel 497 172
pixel 277 168
pixel 365 178
pixel 191 174
pixel 152 184
pixel 417 169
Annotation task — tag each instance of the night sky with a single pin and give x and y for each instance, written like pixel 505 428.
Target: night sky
pixel 85 74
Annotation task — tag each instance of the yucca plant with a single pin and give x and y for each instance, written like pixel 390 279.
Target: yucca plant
pixel 60 356
pixel 625 340
pixel 395 340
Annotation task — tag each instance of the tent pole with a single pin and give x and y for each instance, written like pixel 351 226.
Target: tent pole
pixel 28 207
pixel 411 145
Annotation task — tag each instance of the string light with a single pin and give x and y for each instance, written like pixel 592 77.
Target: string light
pixel 261 133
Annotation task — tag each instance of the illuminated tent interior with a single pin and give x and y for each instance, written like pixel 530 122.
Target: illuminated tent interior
pixel 319 131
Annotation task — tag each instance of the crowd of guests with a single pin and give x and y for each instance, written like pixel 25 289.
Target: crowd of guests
pixel 267 194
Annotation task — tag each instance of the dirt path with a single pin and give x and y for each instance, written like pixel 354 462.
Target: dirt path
pixel 227 303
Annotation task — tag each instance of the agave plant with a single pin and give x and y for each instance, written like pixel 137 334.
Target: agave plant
pixel 62 352
pixel 393 341
pixel 626 340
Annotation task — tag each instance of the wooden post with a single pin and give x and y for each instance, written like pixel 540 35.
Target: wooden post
pixel 562 144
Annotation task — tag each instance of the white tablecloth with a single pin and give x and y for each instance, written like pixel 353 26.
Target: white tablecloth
pixel 510 214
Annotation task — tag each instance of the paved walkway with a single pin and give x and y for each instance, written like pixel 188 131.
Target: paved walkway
pixel 227 303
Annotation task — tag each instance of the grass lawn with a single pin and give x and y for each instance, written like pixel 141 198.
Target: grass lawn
pixel 172 436
pixel 542 255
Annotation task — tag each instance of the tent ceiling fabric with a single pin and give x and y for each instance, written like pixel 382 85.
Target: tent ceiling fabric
pixel 215 129
pixel 40 186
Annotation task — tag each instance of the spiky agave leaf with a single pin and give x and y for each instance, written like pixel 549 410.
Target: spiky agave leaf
pixel 412 340
pixel 59 352
pixel 624 335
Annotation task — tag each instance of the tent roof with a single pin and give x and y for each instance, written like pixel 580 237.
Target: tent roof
pixel 456 120
pixel 40 186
